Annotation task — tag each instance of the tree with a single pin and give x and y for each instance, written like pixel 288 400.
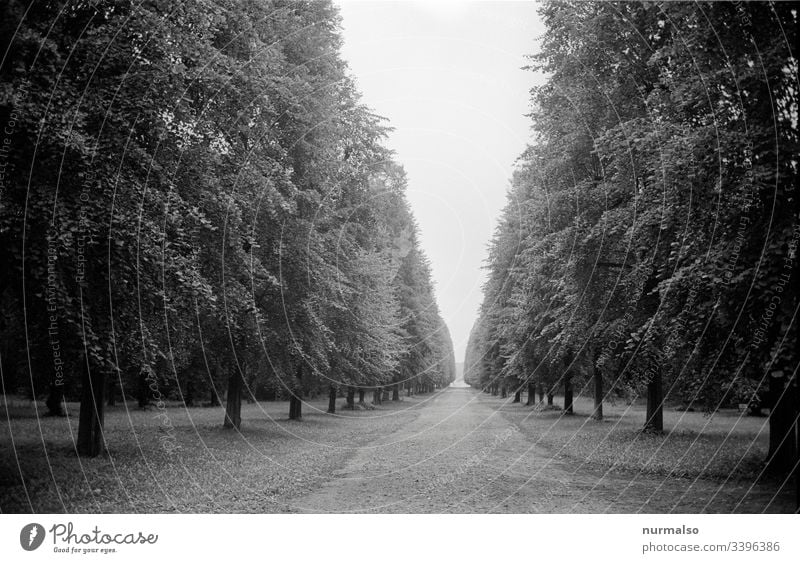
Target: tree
pixel 648 230
pixel 215 162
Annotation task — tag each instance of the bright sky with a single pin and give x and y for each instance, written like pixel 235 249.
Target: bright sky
pixel 448 76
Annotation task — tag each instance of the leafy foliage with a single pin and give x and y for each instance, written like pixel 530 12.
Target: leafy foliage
pixel 194 189
pixel 651 227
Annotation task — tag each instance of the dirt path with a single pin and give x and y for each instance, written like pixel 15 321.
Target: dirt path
pixel 460 455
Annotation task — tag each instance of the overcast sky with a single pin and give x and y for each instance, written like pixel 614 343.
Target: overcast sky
pixel 448 76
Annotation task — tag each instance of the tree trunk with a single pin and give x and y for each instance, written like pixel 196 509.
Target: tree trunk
pixel 90 421
pixel 233 406
pixel 55 400
pixel 214 399
pixel 296 399
pixel 531 394
pixel 518 396
pixel 654 421
pixel 332 399
pixel 112 395
pixel 503 392
pixel 188 397
pixel 295 406
pixel 549 399
pixel 541 392
pixel 396 392
pixel 782 418
pixel 360 396
pixel 598 394
pixel 796 388
pixel 351 396
pixel 143 392
pixel 568 394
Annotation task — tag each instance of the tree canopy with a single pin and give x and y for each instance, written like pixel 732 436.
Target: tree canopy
pixel 649 239
pixel 195 190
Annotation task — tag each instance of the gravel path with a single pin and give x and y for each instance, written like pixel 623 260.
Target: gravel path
pixel 462 455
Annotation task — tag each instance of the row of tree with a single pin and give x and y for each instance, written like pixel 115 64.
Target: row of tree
pixel 649 241
pixel 195 202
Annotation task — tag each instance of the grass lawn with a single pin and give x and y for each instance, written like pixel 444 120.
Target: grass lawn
pixel 257 469
pixel 725 445
pixel 273 461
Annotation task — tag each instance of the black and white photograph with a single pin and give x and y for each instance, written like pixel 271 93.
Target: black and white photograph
pixel 331 257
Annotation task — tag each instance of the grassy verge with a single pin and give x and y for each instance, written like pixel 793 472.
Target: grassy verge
pixel 723 446
pixel 205 469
